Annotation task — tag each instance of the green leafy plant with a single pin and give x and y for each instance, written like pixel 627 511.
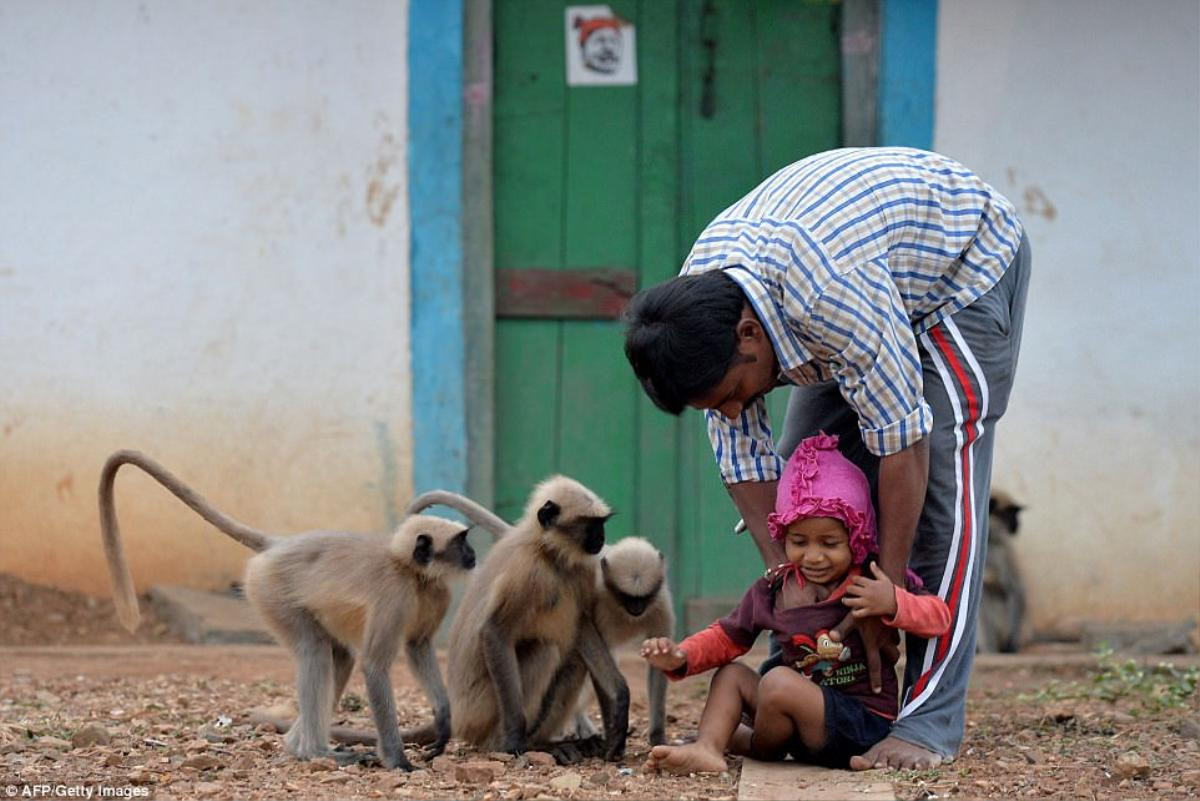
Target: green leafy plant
pixel 1156 687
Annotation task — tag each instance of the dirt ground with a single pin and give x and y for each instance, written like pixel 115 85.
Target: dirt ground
pixel 163 720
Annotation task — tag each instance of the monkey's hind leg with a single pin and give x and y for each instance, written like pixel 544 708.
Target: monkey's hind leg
pixel 343 666
pixel 312 646
pixel 379 649
pixel 423 662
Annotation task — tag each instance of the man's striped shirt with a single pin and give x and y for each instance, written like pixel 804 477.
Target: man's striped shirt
pixel 846 257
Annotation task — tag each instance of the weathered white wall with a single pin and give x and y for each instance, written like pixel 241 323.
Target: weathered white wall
pixel 1087 114
pixel 204 255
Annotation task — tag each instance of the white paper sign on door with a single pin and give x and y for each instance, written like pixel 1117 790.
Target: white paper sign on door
pixel 601 48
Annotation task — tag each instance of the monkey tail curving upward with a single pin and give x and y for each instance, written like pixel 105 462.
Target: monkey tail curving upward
pixel 473 511
pixel 118 570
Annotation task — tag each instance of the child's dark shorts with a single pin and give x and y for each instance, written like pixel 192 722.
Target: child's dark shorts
pixel 850 729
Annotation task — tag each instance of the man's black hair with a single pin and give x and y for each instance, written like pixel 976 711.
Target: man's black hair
pixel 681 336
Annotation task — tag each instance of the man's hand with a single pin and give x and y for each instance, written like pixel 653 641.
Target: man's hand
pixel 878 640
pixel 663 654
pixel 871 597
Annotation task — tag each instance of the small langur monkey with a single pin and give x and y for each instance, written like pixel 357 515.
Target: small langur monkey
pixel 330 596
pixel 633 602
pixel 1002 605
pixel 524 635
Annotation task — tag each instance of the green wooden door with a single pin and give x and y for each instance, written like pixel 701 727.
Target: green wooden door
pixel 618 180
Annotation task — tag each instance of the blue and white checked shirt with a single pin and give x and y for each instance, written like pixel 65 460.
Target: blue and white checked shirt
pixel 847 256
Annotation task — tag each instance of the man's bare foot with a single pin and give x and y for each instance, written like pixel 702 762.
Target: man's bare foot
pixel 691 758
pixel 892 752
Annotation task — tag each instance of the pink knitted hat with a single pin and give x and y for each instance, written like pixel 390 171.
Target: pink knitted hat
pixel 819 482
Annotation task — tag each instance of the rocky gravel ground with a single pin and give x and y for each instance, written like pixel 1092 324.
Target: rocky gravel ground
pixel 164 720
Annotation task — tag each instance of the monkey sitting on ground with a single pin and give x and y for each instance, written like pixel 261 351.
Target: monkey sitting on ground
pixel 633 601
pixel 1002 610
pixel 524 632
pixel 329 596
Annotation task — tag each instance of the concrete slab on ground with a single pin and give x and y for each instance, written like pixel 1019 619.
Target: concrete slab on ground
pixel 209 618
pixel 792 781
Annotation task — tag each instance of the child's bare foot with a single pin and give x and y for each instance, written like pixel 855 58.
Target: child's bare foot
pixel 684 759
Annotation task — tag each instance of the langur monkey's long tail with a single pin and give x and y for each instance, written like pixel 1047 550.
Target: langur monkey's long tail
pixel 118 570
pixel 477 514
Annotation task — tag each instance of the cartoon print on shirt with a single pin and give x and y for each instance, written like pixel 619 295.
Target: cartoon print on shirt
pixel 822 656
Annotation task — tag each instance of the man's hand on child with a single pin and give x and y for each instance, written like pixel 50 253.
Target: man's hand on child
pixel 663 654
pixel 867 597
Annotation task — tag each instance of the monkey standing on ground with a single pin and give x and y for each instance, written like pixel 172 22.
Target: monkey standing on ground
pixel 328 596
pixel 524 628
pixel 1002 610
pixel 633 601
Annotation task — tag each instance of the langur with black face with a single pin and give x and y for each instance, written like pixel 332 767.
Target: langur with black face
pixel 330 596
pixel 524 629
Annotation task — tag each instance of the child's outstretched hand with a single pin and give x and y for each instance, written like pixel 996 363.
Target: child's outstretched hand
pixel 868 597
pixel 663 654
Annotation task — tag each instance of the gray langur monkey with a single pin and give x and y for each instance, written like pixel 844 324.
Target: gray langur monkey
pixel 1002 608
pixel 633 601
pixel 330 596
pixel 523 637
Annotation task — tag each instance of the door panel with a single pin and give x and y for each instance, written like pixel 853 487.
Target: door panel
pixel 594 178
pixel 760 89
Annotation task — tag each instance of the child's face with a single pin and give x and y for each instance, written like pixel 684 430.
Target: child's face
pixel 820 547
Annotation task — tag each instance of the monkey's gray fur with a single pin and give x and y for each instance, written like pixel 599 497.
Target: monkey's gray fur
pixel 633 601
pixel 523 637
pixel 330 596
pixel 1002 609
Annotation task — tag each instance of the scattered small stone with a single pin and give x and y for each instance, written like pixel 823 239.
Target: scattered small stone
pixel 196 746
pixel 1190 728
pixel 600 777
pixel 442 764
pixel 540 758
pixel 47 698
pixel 1162 786
pixel 1190 778
pixel 338 777
pixel 208 789
pixel 392 780
pixel 624 771
pixel 478 772
pixel 243 762
pixel 202 762
pixel 215 735
pixel 91 734
pixel 571 780
pixel 57 743
pixel 1059 713
pixel 321 765
pixel 501 756
pixel 112 760
pixel 1123 718
pixel 1131 765
pixel 139 776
